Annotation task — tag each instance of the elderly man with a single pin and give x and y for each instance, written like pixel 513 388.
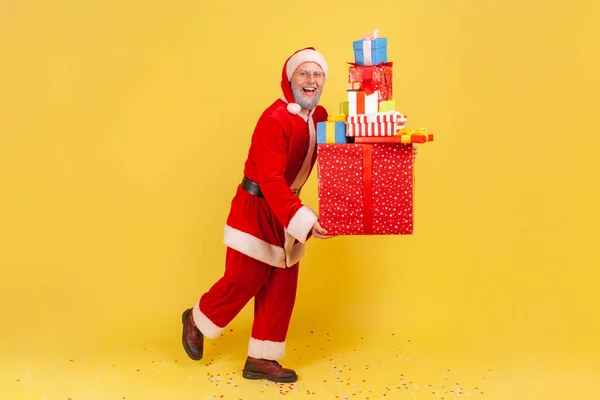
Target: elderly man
pixel 268 225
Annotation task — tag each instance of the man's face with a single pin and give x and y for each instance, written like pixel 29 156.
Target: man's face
pixel 307 84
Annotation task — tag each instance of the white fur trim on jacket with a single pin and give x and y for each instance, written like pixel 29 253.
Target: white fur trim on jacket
pixel 293 251
pixel 266 350
pixel 260 250
pixel 301 223
pixel 302 175
pixel 205 325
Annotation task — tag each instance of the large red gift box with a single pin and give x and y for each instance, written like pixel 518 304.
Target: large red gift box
pixel 365 189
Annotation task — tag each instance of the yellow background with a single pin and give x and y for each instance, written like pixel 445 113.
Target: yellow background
pixel 124 126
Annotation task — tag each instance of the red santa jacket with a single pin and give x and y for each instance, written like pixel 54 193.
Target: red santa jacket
pixel 274 228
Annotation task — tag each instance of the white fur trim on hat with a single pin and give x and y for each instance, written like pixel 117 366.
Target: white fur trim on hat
pixel 303 56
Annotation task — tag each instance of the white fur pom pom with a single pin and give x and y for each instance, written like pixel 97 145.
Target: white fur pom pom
pixel 294 108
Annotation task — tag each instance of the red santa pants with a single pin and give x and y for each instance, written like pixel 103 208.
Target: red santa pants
pixel 274 292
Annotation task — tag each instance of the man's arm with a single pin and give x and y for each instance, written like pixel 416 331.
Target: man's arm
pixel 271 158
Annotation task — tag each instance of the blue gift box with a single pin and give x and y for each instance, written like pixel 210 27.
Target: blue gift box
pixel 332 132
pixel 378 51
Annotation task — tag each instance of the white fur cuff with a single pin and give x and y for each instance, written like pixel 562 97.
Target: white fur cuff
pixel 205 325
pixel 301 223
pixel 266 350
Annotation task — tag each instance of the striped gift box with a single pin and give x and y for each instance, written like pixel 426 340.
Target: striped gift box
pixel 379 124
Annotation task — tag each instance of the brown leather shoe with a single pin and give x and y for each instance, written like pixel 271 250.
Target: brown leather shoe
pixel 266 369
pixel 192 338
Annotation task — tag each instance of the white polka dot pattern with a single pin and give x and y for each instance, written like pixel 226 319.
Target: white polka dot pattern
pixel 392 189
pixel 340 188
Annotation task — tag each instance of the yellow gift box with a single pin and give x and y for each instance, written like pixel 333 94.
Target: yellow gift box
pixel 418 135
pixel 344 107
pixel 388 105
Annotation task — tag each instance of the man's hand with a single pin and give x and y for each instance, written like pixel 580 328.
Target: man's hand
pixel 318 231
pixel 415 151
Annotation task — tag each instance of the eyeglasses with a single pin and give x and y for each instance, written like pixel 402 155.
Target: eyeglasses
pixel 304 75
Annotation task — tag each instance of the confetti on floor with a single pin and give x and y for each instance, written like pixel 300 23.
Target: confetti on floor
pixel 330 366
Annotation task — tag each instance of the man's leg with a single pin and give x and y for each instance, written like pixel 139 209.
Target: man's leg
pixel 243 278
pixel 273 308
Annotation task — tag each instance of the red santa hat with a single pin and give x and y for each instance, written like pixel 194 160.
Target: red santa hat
pixel 308 54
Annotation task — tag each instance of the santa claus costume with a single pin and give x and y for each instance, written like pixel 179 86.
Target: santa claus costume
pixel 268 224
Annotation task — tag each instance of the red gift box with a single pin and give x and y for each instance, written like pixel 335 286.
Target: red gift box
pixel 377 77
pixel 365 189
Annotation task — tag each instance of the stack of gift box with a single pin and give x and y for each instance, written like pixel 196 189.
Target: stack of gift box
pixel 365 154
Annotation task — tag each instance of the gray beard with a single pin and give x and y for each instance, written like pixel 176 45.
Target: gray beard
pixel 307 104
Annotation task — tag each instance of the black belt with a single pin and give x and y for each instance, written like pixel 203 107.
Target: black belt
pixel 254 188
